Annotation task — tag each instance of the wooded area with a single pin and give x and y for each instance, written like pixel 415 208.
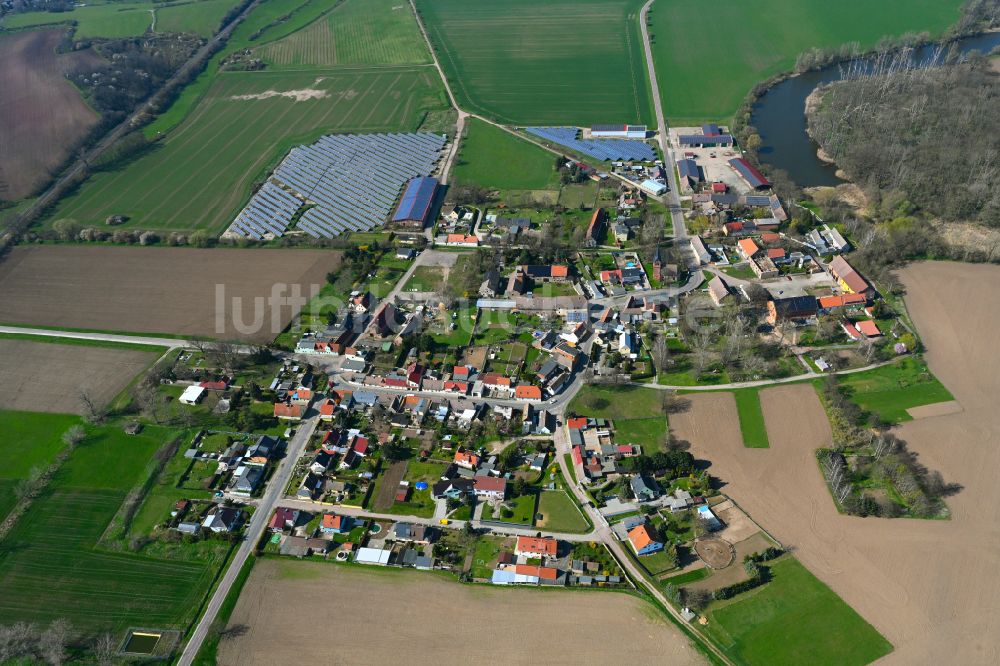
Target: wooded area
pixel 918 140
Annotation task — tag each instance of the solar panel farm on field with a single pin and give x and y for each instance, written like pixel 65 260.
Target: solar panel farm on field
pixel 200 175
pixel 350 182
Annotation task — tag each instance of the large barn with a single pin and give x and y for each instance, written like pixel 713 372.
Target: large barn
pixel 415 204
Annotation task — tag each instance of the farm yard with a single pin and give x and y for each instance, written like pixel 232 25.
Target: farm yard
pixel 551 62
pixel 153 290
pixel 68 370
pixel 51 565
pixel 43 116
pixel 705 73
pixel 354 32
pixel 201 175
pixel 506 620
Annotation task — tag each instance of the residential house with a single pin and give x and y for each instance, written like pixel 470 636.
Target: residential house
pixel 411 532
pixel 289 411
pixel 456 488
pixel 284 519
pixel 528 392
pixel 718 290
pixel 793 308
pixel 263 450
pixel 747 248
pixel 222 519
pixel 247 479
pixel 644 540
pixel 645 490
pixel 490 487
pixel 536 547
pixel 848 278
pixel 466 459
pixel 332 523
pixel 295 546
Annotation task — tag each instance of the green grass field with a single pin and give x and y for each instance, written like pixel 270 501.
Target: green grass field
pixel 522 508
pixel 491 157
pixel 704 73
pixel 425 278
pixel 632 409
pixel 793 619
pixel 559 513
pixel 269 21
pixel 101 19
pixel 890 390
pixel 751 419
pixel 201 175
pixel 130 19
pixel 27 440
pixel 202 17
pixel 355 32
pixel 550 62
pixel 51 568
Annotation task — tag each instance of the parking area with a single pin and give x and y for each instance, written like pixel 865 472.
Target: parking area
pixel 714 162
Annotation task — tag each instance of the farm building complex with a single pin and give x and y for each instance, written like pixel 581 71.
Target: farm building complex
pixel 344 183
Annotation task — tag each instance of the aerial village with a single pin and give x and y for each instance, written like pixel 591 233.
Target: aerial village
pixel 468 456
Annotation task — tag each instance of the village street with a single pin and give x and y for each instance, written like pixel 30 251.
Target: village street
pixel 254 531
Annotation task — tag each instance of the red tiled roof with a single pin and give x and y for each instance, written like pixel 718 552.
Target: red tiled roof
pixel 333 521
pixel 748 246
pixel 528 392
pixel 560 271
pixel 641 537
pixel 490 484
pixel 776 253
pixel 869 328
pixel 578 423
pixel 542 545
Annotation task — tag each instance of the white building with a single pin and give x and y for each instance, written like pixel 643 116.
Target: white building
pixel 618 131
pixel 192 395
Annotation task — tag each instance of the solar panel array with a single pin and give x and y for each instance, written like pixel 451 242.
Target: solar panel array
pixel 269 211
pixel 602 149
pixel 758 200
pixel 349 181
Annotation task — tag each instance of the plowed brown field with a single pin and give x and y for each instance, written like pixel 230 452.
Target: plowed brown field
pixel 44 377
pixel 378 616
pixel 930 587
pixel 42 116
pixel 157 290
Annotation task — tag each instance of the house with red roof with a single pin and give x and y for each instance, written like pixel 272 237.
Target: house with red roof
pixel 644 541
pixel 747 248
pixel 289 411
pixel 540 547
pixel 869 329
pixel 466 459
pixel 334 524
pixel 490 487
pixel 528 392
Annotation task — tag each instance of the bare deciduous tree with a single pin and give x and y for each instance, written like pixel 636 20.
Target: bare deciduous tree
pixel 53 641
pixel 74 435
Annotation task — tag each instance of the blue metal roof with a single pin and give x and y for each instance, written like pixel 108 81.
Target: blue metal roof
pixel 750 174
pixel 705 139
pixel 688 168
pixel 417 199
pixel 711 129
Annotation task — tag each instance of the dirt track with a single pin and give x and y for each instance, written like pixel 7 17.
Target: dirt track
pixel 43 377
pixel 155 289
pixel 42 116
pixel 931 587
pixel 322 613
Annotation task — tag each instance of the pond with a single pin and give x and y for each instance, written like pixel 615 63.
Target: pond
pixel 779 116
pixel 141 643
